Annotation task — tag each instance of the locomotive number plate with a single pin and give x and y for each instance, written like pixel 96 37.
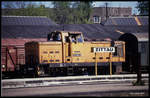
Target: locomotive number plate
pixel 103 49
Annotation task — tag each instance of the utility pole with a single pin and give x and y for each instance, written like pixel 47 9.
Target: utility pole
pixel 106 10
pixel 62 21
pixel 95 64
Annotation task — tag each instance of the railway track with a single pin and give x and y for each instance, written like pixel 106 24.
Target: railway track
pixel 70 80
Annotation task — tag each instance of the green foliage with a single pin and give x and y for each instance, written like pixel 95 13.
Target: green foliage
pixel 82 12
pixel 63 12
pixel 143 7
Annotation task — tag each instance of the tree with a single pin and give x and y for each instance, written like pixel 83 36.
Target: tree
pixel 72 12
pixel 30 10
pixel 143 7
pixel 61 12
pixel 82 11
pixel 21 8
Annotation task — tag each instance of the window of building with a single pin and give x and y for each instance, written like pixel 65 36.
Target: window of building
pixel 97 19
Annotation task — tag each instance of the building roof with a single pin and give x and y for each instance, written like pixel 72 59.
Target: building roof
pixel 27 20
pixel 90 31
pixel 97 31
pixel 19 31
pixel 141 36
pixel 26 26
pixel 144 20
pixel 127 20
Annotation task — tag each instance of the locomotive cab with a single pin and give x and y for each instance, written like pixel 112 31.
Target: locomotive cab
pixel 75 38
pixel 66 37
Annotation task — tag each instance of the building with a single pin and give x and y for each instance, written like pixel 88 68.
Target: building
pixel 100 14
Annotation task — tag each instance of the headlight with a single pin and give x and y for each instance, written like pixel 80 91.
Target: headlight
pixel 3 66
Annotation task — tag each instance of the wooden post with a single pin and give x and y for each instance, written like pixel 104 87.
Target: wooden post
pixel 95 65
pixel 63 49
pixel 6 59
pixel 110 69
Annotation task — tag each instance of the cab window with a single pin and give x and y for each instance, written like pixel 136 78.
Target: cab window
pixel 79 38
pixel 54 37
pixel 76 38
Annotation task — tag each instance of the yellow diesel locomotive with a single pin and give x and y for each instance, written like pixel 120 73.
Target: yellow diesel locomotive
pixel 66 53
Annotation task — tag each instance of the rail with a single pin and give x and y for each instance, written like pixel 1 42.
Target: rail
pixel 34 82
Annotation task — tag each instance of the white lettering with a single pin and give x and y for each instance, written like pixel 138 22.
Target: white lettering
pixel 103 49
